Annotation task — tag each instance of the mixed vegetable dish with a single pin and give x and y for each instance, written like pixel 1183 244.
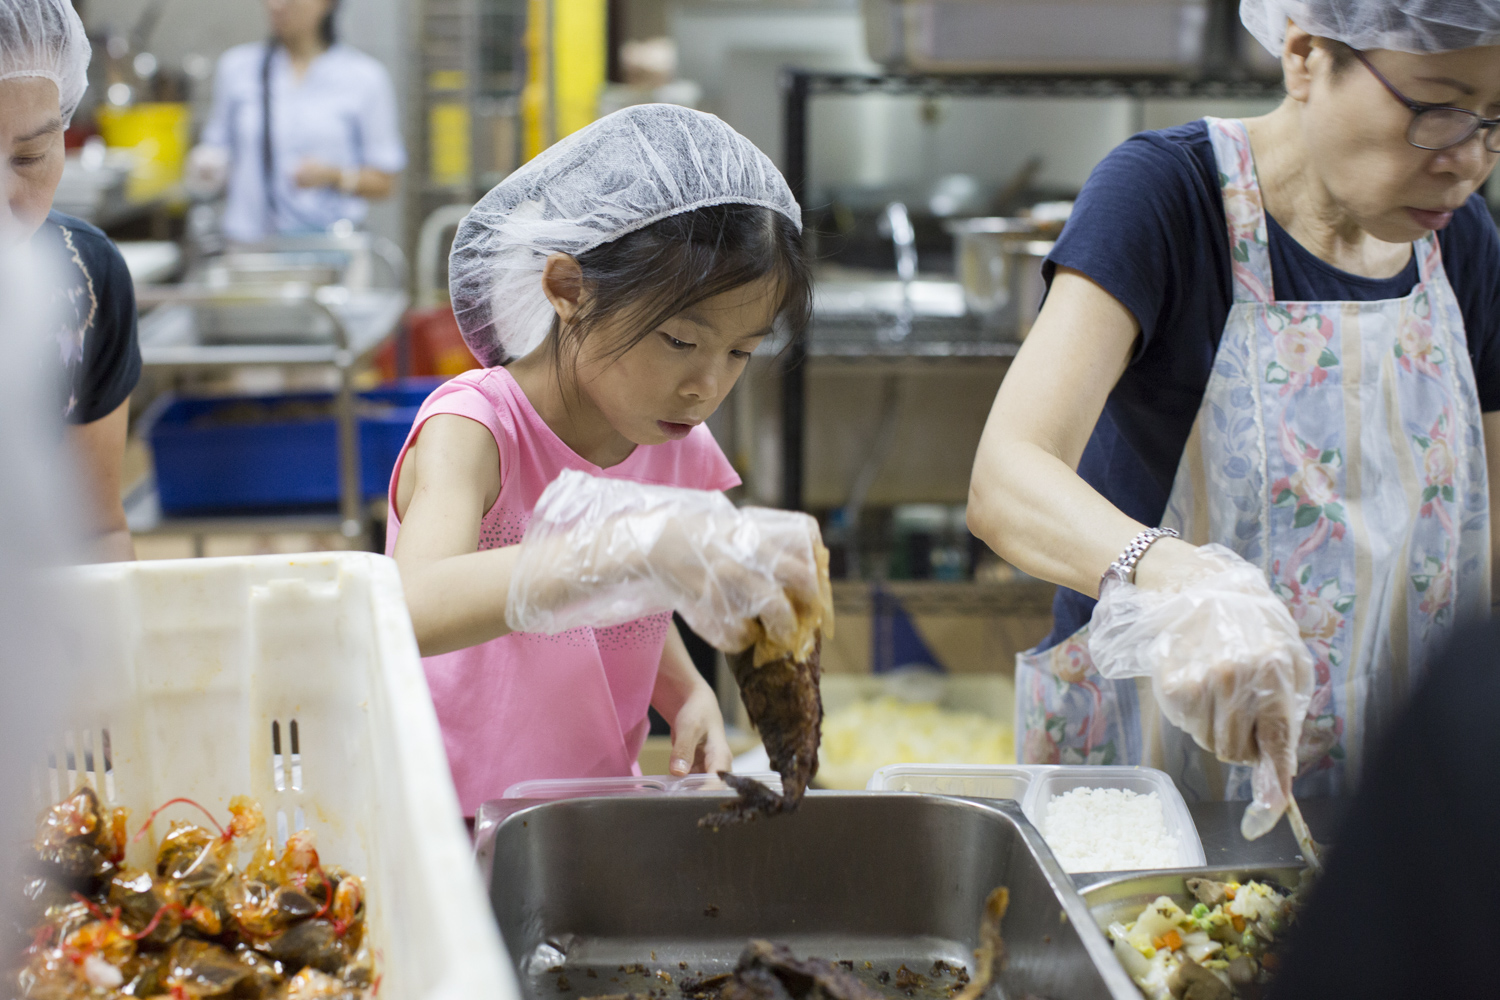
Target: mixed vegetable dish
pixel 1224 948
pixel 219 913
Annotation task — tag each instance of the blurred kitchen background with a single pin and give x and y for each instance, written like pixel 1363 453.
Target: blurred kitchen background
pixel 935 146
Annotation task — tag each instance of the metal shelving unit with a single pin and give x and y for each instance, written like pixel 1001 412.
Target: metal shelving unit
pixel 471 71
pixel 800 87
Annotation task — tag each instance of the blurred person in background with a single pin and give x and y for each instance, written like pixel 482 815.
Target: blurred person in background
pixel 95 358
pixel 304 130
pixel 1258 413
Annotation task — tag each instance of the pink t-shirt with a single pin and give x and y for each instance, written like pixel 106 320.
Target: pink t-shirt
pixel 527 705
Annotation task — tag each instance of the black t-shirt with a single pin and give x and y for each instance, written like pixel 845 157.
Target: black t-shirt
pixel 1149 228
pixel 95 333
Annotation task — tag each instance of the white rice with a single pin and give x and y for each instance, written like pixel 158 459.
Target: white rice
pixel 1108 830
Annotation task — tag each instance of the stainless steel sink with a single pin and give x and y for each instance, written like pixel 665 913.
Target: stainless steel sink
pixel 584 888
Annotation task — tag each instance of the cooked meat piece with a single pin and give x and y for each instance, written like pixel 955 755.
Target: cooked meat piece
pixel 1209 892
pixel 909 980
pixel 802 979
pixel 703 986
pixel 989 957
pixel 1192 981
pixel 1244 976
pixel 786 708
pixel 755 984
pixel 779 684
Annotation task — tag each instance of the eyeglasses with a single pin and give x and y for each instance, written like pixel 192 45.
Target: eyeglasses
pixel 1439 126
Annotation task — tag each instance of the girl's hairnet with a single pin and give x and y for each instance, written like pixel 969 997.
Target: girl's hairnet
pixel 620 174
pixel 1404 25
pixel 45 38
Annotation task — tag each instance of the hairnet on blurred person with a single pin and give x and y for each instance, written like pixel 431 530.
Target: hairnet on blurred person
pixel 45 38
pixel 588 190
pixel 1402 25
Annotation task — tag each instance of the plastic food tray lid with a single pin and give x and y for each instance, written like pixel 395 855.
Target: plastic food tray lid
pixel 975 781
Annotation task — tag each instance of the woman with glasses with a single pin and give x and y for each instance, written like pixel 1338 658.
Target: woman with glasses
pixel 1257 413
pixel 304 129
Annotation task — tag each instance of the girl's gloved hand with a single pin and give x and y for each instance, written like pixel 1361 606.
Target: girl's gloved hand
pixel 1228 665
pixel 600 552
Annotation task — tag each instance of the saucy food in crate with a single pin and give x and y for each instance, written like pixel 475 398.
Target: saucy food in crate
pixel 219 913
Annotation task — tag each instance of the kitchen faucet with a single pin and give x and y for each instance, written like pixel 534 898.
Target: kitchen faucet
pixel 896 223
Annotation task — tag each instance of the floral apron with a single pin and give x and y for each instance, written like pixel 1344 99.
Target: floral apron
pixel 1339 447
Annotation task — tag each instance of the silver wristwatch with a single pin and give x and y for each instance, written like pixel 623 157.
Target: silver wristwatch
pixel 1122 570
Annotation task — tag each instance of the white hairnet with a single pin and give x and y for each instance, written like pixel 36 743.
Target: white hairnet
pixel 45 38
pixel 1403 25
pixel 620 174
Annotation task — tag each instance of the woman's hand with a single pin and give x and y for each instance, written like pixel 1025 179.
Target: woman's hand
pixel 1227 662
pixel 360 182
pixel 604 551
pixel 316 174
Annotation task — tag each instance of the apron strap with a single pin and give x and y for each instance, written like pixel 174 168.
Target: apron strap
pixel 1429 259
pixel 1244 212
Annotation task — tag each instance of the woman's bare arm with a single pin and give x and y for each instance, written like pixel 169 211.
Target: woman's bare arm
pixel 100 450
pixel 449 479
pixel 1026 500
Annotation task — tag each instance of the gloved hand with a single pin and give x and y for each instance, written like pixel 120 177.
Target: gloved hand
pixel 1228 666
pixel 601 552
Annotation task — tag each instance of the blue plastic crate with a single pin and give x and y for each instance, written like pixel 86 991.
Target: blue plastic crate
pixel 204 467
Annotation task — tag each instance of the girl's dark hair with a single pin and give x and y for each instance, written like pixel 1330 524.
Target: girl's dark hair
pixel 327 29
pixel 648 276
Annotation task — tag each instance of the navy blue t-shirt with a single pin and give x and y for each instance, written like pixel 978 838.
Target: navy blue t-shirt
pixel 96 337
pixel 1149 228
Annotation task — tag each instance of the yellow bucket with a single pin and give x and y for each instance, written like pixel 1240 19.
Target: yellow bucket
pixel 159 134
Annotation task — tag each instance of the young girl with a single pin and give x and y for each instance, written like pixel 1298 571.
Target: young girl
pixel 616 285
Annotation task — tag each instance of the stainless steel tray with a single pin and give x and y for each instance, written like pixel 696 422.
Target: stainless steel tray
pixel 1123 897
pixel 594 885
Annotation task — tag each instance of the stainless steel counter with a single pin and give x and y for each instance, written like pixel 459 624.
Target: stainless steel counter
pixel 363 322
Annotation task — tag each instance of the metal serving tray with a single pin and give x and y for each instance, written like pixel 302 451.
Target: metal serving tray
pixel 596 885
pixel 1123 898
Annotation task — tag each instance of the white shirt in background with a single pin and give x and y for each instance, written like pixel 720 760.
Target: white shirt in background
pixel 341 113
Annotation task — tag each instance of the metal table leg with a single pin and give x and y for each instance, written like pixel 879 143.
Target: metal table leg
pixel 352 513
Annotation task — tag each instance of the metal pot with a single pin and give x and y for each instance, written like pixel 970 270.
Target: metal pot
pixel 999 263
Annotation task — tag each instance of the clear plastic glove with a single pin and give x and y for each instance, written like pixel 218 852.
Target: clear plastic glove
pixel 1228 665
pixel 600 552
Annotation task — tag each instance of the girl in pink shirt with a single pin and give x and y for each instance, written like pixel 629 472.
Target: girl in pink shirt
pixel 616 285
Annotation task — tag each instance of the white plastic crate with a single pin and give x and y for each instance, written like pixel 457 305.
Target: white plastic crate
pixel 295 680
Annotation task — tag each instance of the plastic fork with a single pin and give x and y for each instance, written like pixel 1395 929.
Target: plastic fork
pixel 1310 849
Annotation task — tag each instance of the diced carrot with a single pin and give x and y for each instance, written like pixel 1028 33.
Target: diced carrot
pixel 1170 941
pixel 1239 923
pixel 1231 890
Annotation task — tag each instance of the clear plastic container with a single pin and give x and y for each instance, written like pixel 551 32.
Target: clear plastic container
pixel 975 781
pixel 1055 781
